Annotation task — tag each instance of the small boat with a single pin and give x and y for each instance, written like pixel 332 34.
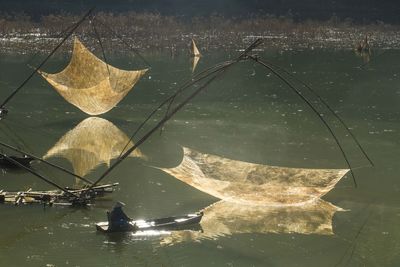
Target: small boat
pixel 168 223
pixel 7 163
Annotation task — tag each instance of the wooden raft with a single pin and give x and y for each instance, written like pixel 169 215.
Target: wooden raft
pixel 56 197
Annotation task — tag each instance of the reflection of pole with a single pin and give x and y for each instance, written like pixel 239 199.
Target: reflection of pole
pixel 313 109
pixel 326 105
pixel 40 176
pixel 3 110
pixel 46 162
pixel 167 116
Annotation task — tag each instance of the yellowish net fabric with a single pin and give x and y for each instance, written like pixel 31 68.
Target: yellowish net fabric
pixel 254 184
pixel 92 142
pixel 194 63
pixel 196 55
pixel 195 50
pixel 226 218
pixel 90 84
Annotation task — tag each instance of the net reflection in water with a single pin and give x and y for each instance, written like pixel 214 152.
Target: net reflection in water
pixel 225 218
pixel 92 142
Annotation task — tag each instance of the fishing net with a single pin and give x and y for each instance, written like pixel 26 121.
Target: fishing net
pixel 92 142
pixel 195 51
pixel 253 184
pixel 90 84
pixel 226 218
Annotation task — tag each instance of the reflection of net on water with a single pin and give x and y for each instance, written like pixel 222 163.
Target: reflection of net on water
pixel 195 60
pixel 92 142
pixel 90 84
pixel 226 218
pixel 195 55
pixel 254 184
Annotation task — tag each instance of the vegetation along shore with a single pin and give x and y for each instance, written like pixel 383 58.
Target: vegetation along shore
pixel 19 33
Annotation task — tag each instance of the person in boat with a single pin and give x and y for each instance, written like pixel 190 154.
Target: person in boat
pixel 117 219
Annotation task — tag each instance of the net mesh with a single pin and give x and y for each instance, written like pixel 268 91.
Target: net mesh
pixel 90 84
pixel 92 142
pixel 254 184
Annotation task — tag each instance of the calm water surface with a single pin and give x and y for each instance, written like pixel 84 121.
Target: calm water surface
pixel 247 115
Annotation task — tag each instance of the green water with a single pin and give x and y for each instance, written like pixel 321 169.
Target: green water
pixel 247 115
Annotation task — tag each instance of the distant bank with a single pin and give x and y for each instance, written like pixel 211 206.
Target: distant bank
pixel 358 11
pixel 20 33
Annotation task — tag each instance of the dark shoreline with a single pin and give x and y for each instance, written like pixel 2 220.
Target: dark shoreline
pixel 148 31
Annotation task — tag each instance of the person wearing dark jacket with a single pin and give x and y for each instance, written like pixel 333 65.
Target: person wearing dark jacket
pixel 118 220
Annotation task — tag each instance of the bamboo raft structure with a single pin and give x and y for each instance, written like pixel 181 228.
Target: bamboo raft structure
pixel 57 197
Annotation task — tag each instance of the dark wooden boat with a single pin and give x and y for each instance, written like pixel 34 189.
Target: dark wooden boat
pixel 168 223
pixel 8 164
